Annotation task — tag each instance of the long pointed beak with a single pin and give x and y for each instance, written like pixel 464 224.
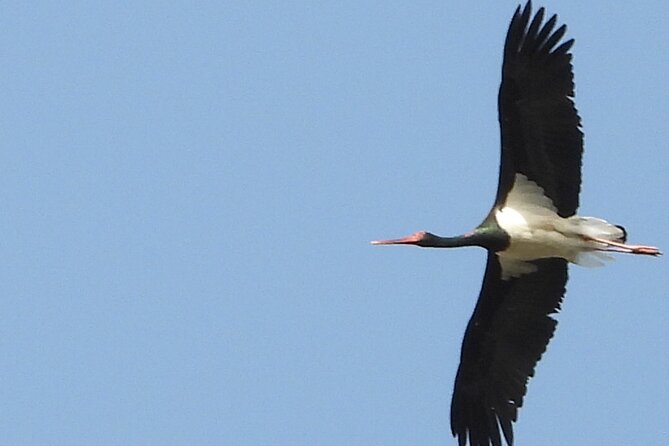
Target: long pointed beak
pixel 409 240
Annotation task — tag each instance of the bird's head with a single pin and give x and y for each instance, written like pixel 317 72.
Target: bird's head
pixel 421 238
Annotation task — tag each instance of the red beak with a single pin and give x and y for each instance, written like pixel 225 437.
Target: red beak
pixel 408 240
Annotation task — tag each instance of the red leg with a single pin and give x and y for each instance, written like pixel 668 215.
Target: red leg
pixel 631 249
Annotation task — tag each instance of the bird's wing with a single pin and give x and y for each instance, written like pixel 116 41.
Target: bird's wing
pixel 505 338
pixel 540 127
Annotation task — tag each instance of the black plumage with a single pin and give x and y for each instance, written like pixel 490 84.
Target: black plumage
pixel 511 325
pixel 540 128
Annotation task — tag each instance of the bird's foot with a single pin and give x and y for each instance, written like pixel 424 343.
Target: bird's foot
pixel 646 250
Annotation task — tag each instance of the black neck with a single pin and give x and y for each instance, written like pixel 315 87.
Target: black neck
pixel 483 237
pixel 435 241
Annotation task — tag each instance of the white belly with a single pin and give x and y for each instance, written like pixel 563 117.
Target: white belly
pixel 536 231
pixel 532 237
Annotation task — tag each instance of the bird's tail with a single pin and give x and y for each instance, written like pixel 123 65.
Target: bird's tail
pixel 585 231
pixel 600 235
pixel 596 228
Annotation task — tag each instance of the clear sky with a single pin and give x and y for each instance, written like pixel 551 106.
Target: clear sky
pixel 188 191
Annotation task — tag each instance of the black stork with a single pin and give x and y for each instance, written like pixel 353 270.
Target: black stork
pixel 531 232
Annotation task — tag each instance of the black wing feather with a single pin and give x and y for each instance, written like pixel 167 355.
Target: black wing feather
pixel 505 338
pixel 511 325
pixel 540 127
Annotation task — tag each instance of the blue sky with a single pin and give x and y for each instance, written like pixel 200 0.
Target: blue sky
pixel 188 193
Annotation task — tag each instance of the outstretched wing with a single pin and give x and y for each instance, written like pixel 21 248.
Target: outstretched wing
pixel 540 127
pixel 511 325
pixel 505 338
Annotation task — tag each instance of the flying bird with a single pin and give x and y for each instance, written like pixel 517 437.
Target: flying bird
pixel 531 233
